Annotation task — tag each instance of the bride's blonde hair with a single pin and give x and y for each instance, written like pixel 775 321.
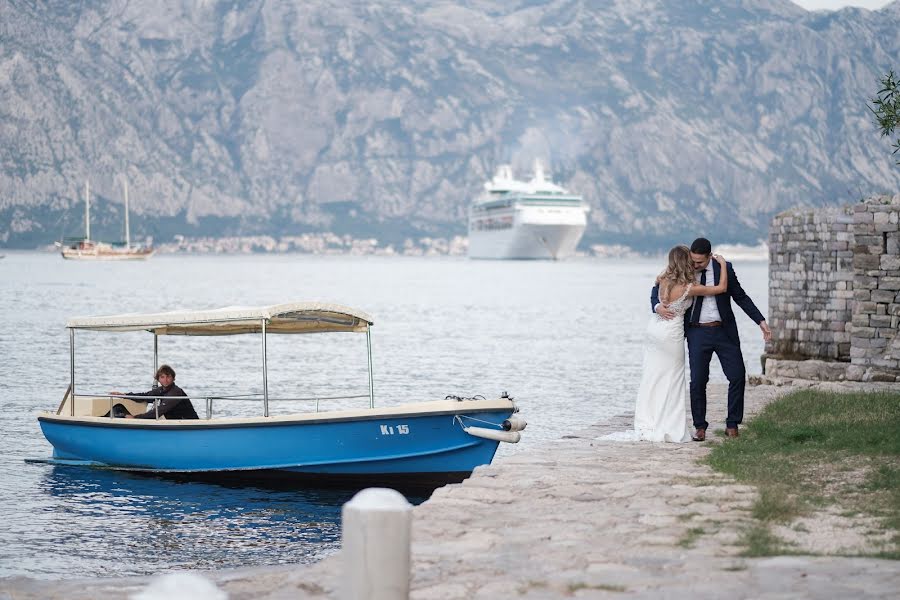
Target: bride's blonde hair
pixel 680 270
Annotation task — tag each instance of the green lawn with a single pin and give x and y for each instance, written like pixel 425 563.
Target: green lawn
pixel 810 450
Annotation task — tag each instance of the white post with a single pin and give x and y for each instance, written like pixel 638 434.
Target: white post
pixel 376 527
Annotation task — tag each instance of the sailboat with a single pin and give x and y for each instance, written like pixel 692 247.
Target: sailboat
pixel 87 249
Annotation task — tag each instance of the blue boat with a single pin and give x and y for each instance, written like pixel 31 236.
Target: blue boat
pixel 420 445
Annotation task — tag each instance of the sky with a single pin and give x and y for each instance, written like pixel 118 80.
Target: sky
pixel 836 4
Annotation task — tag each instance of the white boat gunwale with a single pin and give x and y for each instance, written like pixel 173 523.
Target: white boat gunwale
pixel 433 408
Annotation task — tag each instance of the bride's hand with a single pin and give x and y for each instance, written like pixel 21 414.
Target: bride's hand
pixel 720 259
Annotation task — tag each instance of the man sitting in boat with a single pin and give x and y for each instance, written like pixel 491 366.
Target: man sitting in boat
pixel 175 406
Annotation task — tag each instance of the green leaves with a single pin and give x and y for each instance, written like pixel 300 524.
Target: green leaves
pixel 886 107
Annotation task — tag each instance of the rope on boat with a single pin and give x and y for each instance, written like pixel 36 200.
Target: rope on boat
pixel 461 398
pixel 459 418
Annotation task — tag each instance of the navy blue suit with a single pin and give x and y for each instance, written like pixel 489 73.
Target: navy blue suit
pixel 724 341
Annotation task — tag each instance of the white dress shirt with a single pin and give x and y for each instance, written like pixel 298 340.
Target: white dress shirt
pixel 709 310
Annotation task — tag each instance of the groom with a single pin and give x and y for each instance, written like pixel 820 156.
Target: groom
pixel 710 327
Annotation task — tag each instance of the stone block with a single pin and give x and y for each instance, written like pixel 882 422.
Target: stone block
pixel 860 320
pixel 886 363
pixel 862 217
pixel 883 320
pixel 855 373
pixel 821 370
pixel 865 261
pixel 869 343
pixel 889 262
pixel 865 307
pixel 868 240
pixel 892 246
pixel 889 283
pixel 864 332
pixel 880 215
pixel 864 282
pixel 879 375
pixel 861 295
pixel 885 227
pixel 881 296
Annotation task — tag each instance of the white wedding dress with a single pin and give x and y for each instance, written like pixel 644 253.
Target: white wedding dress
pixel 659 412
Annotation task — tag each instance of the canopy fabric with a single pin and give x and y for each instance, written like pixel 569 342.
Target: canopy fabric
pixel 296 317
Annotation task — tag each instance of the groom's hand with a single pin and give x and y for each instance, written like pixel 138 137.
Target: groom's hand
pixel 663 311
pixel 767 333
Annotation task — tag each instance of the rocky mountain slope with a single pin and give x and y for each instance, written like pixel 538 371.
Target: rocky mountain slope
pixel 672 117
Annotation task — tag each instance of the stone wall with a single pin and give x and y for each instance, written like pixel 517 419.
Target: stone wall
pixel 874 343
pixel 834 292
pixel 811 283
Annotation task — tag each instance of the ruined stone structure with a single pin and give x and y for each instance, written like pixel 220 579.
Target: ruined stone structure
pixel 834 292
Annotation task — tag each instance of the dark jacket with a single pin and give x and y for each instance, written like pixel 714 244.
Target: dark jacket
pixel 176 407
pixel 723 302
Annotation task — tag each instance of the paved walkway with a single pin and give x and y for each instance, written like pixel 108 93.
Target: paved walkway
pixel 575 518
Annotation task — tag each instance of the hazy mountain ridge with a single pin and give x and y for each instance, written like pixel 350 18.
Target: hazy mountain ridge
pixel 670 117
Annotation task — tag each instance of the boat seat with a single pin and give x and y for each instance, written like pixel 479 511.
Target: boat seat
pixel 98 406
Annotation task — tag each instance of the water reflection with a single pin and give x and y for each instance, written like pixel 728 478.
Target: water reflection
pixel 136 524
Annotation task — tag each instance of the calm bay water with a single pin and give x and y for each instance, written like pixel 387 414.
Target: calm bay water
pixel 563 338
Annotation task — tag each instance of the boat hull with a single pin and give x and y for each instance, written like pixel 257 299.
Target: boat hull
pixel 537 233
pixel 373 447
pixel 110 254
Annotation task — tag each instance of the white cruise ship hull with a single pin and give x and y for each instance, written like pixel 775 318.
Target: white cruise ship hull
pixel 548 233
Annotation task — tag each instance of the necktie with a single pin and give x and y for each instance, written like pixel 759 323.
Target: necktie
pixel 698 300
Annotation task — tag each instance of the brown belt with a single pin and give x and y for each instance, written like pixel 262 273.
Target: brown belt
pixel 710 324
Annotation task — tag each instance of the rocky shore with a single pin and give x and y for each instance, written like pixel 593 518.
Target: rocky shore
pixel 579 517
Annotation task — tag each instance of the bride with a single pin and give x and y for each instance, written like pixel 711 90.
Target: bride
pixel 659 412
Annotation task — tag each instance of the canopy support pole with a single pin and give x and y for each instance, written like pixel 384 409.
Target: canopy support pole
pixel 265 372
pixel 369 351
pixel 155 354
pixel 72 369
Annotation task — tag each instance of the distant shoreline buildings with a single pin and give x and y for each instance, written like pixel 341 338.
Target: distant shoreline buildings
pixel 327 243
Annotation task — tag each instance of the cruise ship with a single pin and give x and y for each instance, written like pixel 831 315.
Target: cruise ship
pixel 536 219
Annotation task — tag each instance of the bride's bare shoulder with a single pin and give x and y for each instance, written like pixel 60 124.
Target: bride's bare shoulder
pixel 676 291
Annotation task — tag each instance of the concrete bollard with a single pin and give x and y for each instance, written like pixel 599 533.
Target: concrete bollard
pixel 375 533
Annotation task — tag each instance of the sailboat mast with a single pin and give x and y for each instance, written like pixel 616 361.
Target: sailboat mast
pixel 127 231
pixel 87 211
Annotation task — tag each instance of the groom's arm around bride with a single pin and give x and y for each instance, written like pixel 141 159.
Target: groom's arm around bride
pixel 734 292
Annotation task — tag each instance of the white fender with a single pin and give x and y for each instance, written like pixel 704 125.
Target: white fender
pixel 514 423
pixel 511 437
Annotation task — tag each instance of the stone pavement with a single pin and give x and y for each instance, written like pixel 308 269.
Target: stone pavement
pixel 579 517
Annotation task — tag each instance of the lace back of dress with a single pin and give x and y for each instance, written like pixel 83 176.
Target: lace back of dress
pixel 683 302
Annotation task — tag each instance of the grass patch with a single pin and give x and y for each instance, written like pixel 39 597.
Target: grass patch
pixel 690 537
pixel 812 450
pixel 759 541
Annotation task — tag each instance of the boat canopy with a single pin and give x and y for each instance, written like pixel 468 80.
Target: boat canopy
pixel 295 317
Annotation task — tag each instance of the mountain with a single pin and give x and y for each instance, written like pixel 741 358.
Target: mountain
pixel 672 117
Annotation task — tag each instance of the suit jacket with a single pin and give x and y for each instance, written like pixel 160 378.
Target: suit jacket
pixel 723 302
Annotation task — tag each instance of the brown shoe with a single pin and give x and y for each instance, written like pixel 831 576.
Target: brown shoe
pixel 699 435
pixel 731 432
